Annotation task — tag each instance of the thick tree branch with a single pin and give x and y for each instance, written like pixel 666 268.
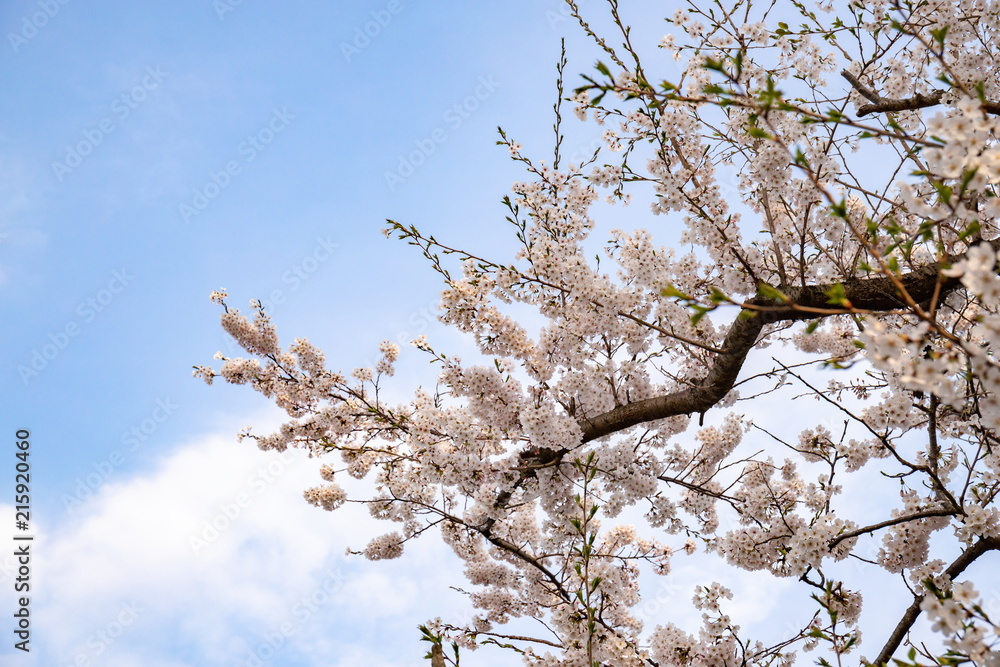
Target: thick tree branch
pixel 881 104
pixel 913 611
pixel 871 294
pixel 890 104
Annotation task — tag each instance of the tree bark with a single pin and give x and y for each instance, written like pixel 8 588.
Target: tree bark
pixel 881 104
pixel 867 294
pixel 437 656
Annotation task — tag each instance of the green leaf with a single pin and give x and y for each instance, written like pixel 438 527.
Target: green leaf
pixel 700 312
pixel 839 209
pixel 939 34
pixel 944 191
pixel 671 291
pixel 837 297
pixel 971 230
pixel 771 292
pixel 967 178
pixel 872 228
pixel 717 296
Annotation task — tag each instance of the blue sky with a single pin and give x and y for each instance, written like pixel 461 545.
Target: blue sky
pixel 152 153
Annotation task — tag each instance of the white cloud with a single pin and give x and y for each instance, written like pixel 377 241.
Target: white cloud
pixel 128 582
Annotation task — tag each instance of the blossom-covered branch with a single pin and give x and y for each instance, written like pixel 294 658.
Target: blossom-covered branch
pixel 869 248
pixel 879 293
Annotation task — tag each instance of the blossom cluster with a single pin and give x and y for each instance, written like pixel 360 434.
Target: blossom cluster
pixel 571 456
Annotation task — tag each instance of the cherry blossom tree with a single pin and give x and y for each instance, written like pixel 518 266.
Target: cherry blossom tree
pixel 827 176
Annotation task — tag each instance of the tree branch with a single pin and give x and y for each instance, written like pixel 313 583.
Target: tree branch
pixel 925 514
pixel 911 614
pixel 872 294
pixel 514 550
pixel 881 104
pixel 890 104
pixel 437 656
